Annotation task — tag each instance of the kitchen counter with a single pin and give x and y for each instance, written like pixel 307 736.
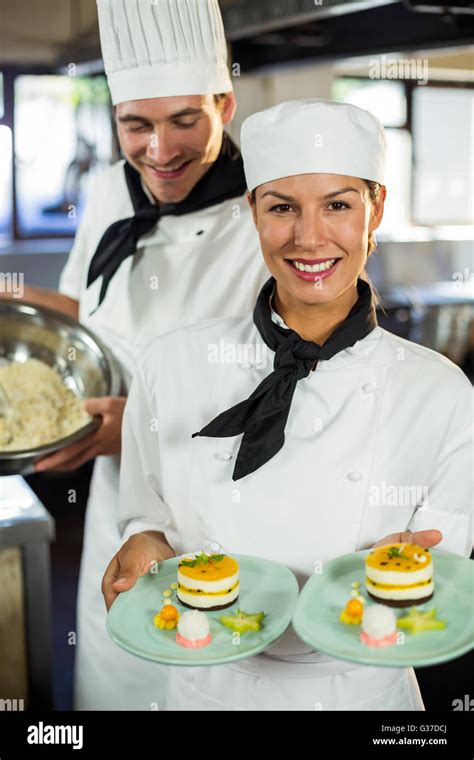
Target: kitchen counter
pixel 26 530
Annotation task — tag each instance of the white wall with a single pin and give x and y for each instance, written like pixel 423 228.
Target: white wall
pixel 257 91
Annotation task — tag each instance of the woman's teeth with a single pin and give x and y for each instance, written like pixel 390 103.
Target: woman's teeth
pixel 314 267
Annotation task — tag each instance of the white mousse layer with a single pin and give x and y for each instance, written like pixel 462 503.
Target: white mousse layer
pixel 196 584
pixel 399 578
pixel 205 601
pixel 419 592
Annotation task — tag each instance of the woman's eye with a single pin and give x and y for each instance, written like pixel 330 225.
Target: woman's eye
pixel 281 207
pixel 340 204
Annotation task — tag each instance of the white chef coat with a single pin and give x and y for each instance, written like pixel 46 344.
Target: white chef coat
pixel 384 413
pixel 200 265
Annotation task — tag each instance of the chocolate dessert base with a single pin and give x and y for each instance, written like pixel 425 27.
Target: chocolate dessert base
pixel 209 609
pixel 401 602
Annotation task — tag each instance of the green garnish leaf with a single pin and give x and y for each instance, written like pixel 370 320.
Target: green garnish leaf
pixel 202 559
pixel 394 551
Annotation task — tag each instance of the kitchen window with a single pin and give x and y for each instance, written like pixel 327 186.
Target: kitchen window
pixel 62 135
pixel 430 148
pixel 443 139
pixel 6 186
pixel 55 132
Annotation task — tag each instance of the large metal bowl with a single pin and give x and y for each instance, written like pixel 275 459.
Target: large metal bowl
pixel 85 364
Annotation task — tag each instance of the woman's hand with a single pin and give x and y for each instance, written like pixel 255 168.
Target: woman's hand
pixel 133 560
pixel 106 440
pixel 424 538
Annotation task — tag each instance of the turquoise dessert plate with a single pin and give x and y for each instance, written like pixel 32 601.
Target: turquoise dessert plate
pixel 324 596
pixel 264 585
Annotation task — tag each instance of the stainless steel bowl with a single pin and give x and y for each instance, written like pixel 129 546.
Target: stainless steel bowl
pixel 85 364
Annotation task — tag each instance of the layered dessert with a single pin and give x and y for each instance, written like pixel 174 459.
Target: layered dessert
pixel 208 582
pixel 399 575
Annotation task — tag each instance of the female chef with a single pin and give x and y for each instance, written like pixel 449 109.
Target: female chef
pixel 303 431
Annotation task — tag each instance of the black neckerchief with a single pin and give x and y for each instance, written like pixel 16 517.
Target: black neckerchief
pixel 225 179
pixel 262 417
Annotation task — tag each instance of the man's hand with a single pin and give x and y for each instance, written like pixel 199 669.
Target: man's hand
pixel 424 538
pixel 106 440
pixel 133 560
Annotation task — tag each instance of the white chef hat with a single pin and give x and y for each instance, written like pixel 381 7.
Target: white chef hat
pixel 312 136
pixel 157 48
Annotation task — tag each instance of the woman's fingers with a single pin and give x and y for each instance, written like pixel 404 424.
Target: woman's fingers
pixel 133 560
pixel 110 576
pixel 424 538
pixel 121 575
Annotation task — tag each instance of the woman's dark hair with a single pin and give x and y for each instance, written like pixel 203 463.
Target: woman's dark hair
pixel 219 98
pixel 374 195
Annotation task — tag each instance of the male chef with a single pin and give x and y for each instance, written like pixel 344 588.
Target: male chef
pixel 166 239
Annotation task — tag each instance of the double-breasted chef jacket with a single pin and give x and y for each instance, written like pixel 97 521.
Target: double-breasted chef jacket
pixel 201 265
pixel 377 422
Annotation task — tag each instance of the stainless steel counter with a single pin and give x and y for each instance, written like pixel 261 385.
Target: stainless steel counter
pixel 26 530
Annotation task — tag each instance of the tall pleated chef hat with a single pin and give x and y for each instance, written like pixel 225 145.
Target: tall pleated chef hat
pixel 157 48
pixel 312 136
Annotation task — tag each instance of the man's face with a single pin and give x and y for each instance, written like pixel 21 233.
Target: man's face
pixel 173 141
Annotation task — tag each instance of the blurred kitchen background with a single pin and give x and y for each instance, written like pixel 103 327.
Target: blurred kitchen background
pixel 410 62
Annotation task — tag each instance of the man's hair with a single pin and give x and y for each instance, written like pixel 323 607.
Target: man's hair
pixel 218 99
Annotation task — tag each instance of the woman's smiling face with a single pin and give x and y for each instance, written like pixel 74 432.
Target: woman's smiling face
pixel 314 231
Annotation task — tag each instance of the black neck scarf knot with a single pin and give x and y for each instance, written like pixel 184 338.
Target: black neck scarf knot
pixel 262 417
pixel 225 179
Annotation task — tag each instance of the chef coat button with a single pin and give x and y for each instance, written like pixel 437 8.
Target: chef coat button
pixel 223 456
pixel 368 388
pixel 355 475
pixel 212 547
pixel 200 232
